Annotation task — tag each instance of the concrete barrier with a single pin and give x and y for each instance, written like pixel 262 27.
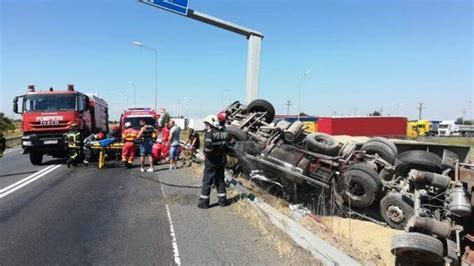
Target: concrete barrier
pixel 13 141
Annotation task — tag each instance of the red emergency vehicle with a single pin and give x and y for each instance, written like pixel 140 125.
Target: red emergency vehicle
pixel 47 115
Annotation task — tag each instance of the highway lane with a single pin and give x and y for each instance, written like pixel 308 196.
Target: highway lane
pixel 119 216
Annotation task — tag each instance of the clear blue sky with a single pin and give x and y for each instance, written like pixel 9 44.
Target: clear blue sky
pixel 362 54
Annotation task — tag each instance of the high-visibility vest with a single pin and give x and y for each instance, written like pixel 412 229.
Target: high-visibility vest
pixel 129 134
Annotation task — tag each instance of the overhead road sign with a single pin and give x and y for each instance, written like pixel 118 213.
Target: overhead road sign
pixel 176 6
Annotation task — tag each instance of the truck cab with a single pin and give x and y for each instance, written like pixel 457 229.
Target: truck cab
pixel 47 115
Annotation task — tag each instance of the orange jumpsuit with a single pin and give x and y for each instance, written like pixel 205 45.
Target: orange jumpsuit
pixel 128 151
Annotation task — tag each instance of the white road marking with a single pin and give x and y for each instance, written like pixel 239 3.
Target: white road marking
pixel 25 181
pixel 174 242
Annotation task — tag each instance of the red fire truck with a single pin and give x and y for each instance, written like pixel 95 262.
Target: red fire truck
pixel 134 115
pixel 47 115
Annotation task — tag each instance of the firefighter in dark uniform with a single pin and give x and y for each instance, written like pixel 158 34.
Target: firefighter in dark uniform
pixel 216 146
pixel 74 144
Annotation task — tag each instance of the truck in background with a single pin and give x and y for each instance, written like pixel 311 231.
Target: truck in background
pixel 310 122
pixel 449 128
pixel 47 115
pixel 369 126
pixel 419 128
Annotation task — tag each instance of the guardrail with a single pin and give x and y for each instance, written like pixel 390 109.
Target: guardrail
pixel 13 141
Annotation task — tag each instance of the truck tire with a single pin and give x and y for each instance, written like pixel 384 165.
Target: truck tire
pixel 396 210
pixel 36 158
pixel 260 105
pixel 236 134
pixel 419 160
pixel 383 150
pixel 417 248
pixel 386 141
pixel 359 186
pixel 321 143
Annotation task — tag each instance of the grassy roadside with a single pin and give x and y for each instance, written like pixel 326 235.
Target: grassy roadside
pixel 15 133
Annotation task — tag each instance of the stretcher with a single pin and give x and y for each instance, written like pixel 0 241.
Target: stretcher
pixel 104 146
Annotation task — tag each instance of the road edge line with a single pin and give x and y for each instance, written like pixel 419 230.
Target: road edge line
pixel 174 242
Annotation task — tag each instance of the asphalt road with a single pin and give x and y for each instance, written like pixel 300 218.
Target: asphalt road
pixel 52 214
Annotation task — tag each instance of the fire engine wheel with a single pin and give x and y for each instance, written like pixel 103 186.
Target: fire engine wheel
pixel 321 143
pixel 417 248
pixel 396 210
pixel 384 150
pixel 419 160
pixel 360 186
pixel 260 105
pixel 36 158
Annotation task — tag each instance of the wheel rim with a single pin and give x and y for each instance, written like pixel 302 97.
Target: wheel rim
pixel 356 190
pixel 395 214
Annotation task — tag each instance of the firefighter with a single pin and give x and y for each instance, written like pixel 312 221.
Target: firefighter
pixel 74 143
pixel 86 149
pixel 128 137
pixel 3 145
pixel 216 145
pixel 147 135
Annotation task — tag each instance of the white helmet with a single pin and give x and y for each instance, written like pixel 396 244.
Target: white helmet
pixel 128 124
pixel 211 120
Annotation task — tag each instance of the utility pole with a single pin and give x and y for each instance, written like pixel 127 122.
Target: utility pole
pixel 420 108
pixel 355 111
pixel 288 104
pixel 463 111
pixel 381 110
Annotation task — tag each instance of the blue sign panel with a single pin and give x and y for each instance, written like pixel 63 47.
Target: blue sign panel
pixel 176 6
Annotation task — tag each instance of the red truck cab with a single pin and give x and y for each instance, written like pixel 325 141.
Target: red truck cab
pixel 47 115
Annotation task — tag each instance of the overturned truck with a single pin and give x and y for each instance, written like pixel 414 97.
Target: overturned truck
pixel 424 188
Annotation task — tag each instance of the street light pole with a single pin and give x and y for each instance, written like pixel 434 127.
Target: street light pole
pixel 156 69
pixel 299 92
pixel 134 93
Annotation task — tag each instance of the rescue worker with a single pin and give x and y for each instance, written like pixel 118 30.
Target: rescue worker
pixel 128 151
pixel 86 149
pixel 216 146
pixel 191 146
pixel 74 143
pixel 147 135
pixel 3 144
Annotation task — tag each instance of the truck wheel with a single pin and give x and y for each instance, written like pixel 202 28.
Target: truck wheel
pixel 419 160
pixel 36 158
pixel 260 105
pixel 236 134
pixel 359 186
pixel 387 142
pixel 396 210
pixel 417 248
pixel 321 143
pixel 381 148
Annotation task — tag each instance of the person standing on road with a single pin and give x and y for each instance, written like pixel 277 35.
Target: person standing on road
pixel 165 137
pixel 216 146
pixel 3 144
pixel 74 143
pixel 128 151
pixel 147 135
pixel 174 143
